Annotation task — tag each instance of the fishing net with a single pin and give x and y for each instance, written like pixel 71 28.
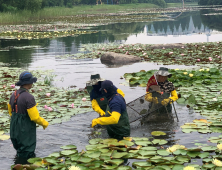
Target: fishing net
pixel 140 110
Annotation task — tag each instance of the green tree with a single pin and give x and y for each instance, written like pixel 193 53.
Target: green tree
pixel 32 5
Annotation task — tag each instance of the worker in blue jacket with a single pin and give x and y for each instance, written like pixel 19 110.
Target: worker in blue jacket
pixel 116 117
pixel 98 100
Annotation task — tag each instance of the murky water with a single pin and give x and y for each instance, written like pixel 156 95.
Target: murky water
pixel 189 27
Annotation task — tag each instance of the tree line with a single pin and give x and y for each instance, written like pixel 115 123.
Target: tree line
pixel 35 5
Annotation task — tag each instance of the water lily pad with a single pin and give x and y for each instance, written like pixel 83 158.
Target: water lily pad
pixel 149 148
pixel 127 143
pixel 159 141
pixel 68 147
pixel 118 154
pixel 33 160
pixel 115 161
pixel 84 160
pixel 157 133
pixel 95 154
pixel 209 148
pixel 141 164
pixel 55 154
pixel 163 152
pixel 143 143
pixel 68 152
pixel 94 141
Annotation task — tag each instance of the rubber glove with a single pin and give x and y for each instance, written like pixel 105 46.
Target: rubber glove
pixel 97 108
pixel 149 98
pixel 166 101
pixel 120 92
pixel 113 119
pixel 9 109
pixel 174 95
pixel 35 117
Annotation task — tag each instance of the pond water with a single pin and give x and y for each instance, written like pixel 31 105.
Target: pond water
pixel 189 27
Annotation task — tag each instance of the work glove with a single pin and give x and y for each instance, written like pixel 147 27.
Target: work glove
pixel 113 119
pixel 94 122
pixel 165 102
pixel 9 109
pixel 155 100
pixel 174 95
pixel 97 108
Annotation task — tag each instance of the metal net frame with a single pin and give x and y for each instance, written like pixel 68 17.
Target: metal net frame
pixel 141 110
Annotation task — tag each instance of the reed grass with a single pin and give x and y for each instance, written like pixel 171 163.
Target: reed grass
pixel 55 12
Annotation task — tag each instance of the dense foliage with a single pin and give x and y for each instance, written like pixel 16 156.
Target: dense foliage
pixel 34 5
pixel 210 2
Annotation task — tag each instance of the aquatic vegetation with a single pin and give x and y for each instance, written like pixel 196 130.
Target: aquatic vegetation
pixel 54 104
pixel 39 35
pixel 158 133
pixel 217 162
pixel 193 53
pixel 3 136
pixel 109 153
pixel 201 91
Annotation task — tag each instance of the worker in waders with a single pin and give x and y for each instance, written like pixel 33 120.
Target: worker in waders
pixel 116 117
pixel 162 95
pixel 98 100
pixel 24 116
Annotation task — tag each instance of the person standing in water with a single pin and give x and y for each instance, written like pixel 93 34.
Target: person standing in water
pixel 162 94
pixel 98 100
pixel 24 117
pixel 116 117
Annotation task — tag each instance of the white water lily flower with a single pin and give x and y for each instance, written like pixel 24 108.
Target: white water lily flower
pixel 74 168
pixel 201 70
pixel 214 99
pixel 189 168
pixel 217 162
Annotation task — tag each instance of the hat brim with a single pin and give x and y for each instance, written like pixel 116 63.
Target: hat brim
pixel 163 73
pixel 94 81
pixel 31 81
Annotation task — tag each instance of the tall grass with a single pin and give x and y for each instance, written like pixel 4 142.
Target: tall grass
pixel 54 12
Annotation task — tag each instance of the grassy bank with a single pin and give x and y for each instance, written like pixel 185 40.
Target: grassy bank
pixel 53 12
pixel 19 17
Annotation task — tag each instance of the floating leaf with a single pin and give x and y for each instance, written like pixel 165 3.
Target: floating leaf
pixel 157 133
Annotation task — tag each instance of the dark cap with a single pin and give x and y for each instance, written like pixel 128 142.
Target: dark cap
pixel 106 85
pixel 26 78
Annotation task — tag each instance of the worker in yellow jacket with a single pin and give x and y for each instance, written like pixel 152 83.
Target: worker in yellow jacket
pixel 163 94
pixel 24 116
pixel 99 101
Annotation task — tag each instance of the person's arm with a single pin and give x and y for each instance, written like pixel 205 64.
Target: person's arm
pixel 34 113
pixel 35 117
pixel 97 108
pixel 115 106
pixel 113 119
